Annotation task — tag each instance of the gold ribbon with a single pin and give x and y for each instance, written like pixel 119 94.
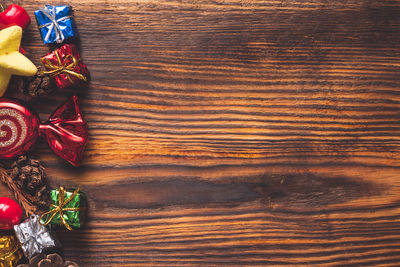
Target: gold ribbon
pixel 63 67
pixel 62 202
pixel 12 256
pixel 9 254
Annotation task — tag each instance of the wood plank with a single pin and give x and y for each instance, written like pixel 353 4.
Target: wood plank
pixel 234 132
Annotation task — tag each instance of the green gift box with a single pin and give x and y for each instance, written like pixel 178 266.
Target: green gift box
pixel 67 208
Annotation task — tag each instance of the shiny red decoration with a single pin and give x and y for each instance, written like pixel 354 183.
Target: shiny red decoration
pixel 19 128
pixel 65 130
pixel 14 15
pixel 10 213
pixel 66 66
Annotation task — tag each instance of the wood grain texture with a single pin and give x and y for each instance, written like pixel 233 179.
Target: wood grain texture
pixel 235 132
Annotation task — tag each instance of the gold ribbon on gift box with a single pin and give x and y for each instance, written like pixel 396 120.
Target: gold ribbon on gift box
pixel 62 202
pixel 60 67
pixel 10 252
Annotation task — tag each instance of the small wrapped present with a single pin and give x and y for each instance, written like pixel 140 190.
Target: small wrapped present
pixel 67 208
pixel 55 23
pixel 10 251
pixel 34 237
pixel 66 66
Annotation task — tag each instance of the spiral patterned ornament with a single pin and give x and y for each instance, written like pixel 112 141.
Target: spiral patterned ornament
pixel 65 131
pixel 19 128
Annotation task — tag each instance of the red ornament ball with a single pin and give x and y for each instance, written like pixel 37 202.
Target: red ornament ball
pixel 14 15
pixel 19 128
pixel 10 213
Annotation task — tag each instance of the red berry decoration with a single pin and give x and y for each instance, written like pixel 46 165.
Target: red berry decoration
pixel 14 15
pixel 10 213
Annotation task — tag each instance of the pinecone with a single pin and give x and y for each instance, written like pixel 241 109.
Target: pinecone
pixel 38 85
pixel 51 260
pixel 29 175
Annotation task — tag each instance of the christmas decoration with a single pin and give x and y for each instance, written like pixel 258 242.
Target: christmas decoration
pixel 12 62
pixel 66 66
pixel 55 23
pixel 10 213
pixel 66 209
pixel 30 177
pixel 65 130
pixel 10 250
pixel 14 15
pixel 51 260
pixel 39 85
pixel 34 237
pixel 26 204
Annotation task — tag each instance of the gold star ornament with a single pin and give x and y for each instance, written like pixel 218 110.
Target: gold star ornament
pixel 12 62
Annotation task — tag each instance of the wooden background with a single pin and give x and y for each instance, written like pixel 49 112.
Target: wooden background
pixel 235 132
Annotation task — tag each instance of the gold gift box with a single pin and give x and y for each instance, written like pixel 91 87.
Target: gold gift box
pixel 10 251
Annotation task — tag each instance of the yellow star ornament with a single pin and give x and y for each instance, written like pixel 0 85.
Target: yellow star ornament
pixel 12 62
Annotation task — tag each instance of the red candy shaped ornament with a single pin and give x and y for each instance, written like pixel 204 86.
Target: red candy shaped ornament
pixel 14 15
pixel 65 130
pixel 18 128
pixel 10 213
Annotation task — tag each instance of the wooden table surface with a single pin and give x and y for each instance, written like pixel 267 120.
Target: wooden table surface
pixel 234 132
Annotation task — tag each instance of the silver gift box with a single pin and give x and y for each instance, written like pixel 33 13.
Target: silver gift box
pixel 34 237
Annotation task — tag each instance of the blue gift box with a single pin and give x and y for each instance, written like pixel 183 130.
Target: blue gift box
pixel 55 23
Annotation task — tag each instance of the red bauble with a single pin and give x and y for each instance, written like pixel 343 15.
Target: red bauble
pixel 19 128
pixel 65 130
pixel 14 15
pixel 10 213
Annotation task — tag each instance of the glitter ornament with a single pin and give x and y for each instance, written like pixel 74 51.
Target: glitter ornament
pixel 65 131
pixel 18 128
